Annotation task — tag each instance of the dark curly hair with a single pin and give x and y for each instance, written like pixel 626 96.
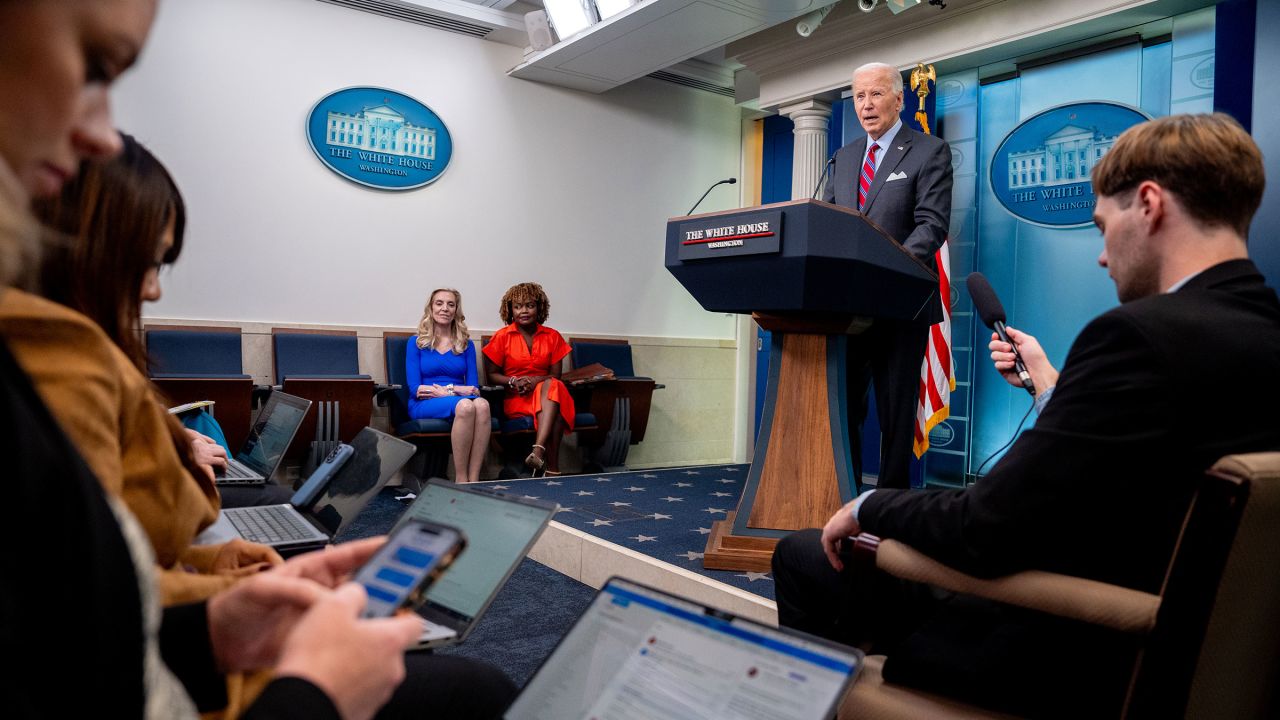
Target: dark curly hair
pixel 523 293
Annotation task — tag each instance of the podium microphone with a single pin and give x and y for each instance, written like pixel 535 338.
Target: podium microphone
pixel 826 170
pixel 992 314
pixel 730 181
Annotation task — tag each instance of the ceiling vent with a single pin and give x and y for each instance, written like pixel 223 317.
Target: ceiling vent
pixel 695 83
pixel 419 14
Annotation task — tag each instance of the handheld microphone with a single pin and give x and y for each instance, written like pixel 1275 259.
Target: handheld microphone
pixel 826 170
pixel 992 314
pixel 729 181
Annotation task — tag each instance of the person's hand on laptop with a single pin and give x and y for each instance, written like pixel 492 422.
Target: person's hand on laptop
pixel 241 557
pixel 208 453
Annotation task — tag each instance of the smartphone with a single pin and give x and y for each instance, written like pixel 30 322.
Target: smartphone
pixel 398 575
pixel 307 493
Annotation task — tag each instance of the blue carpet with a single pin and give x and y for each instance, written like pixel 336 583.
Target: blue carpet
pixel 665 514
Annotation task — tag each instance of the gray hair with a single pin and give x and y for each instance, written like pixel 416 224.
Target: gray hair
pixel 882 67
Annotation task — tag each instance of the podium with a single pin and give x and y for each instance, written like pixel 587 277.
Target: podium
pixel 812 273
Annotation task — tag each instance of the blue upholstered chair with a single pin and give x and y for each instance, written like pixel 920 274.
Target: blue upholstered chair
pixel 189 364
pixel 324 367
pixel 621 407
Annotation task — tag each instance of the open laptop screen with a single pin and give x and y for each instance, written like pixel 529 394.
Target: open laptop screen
pixel 375 458
pixel 499 531
pixel 272 432
pixel 639 653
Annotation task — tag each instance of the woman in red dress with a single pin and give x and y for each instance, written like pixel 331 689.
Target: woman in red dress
pixel 525 356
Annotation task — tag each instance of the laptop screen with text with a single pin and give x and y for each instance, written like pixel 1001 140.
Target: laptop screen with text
pixel 637 653
pixel 498 530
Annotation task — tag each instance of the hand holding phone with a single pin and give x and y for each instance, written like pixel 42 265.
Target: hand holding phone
pixel 398 575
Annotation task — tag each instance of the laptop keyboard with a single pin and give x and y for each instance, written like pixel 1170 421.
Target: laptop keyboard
pixel 270 524
pixel 236 473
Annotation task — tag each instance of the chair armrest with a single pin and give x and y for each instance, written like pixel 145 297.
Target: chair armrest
pixel 383 393
pixel 1090 601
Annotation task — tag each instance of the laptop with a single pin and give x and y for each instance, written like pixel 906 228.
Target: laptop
pixel 500 529
pixel 314 515
pixel 640 653
pixel 269 438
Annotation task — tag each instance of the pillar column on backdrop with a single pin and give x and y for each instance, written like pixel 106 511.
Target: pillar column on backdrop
pixel 811 118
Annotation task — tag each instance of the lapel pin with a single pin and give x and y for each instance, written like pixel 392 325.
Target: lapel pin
pixel 899 147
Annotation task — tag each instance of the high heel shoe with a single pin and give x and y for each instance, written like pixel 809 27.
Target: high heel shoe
pixel 536 463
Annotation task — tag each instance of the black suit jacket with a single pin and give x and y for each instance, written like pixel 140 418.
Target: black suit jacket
pixel 1151 394
pixel 915 206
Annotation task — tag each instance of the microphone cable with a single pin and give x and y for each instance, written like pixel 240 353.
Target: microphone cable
pixel 977 474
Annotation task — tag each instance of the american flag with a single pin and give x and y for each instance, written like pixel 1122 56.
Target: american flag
pixel 937 377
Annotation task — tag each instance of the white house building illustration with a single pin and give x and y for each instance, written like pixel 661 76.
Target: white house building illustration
pixel 1067 156
pixel 383 129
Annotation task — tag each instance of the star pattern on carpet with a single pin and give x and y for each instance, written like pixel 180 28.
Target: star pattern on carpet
pixel 500 487
pixel 666 514
pixel 530 497
pixel 564 509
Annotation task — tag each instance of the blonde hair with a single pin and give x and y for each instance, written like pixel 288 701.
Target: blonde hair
pixel 427 326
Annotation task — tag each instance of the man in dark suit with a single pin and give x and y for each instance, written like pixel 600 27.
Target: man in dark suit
pixel 901 180
pixel 1152 393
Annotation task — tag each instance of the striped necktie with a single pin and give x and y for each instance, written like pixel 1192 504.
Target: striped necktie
pixel 868 174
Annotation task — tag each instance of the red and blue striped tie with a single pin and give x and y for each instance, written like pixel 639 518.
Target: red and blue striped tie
pixel 868 174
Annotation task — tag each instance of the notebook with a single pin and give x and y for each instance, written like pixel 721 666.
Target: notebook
pixel 269 438
pixel 318 511
pixel 500 529
pixel 638 653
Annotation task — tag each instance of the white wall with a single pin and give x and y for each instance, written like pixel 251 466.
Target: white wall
pixel 564 188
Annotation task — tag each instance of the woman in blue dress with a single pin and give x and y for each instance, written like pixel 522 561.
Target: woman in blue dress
pixel 443 382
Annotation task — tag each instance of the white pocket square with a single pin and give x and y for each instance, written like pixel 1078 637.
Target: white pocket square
pixel 896 176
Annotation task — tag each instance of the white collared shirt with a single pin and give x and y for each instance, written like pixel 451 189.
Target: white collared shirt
pixel 884 142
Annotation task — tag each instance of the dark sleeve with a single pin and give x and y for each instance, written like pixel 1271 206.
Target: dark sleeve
pixel 933 205
pixel 184 645
pixel 1084 469
pixel 291 697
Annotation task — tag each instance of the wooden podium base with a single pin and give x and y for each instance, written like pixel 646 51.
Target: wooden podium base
pixel 726 551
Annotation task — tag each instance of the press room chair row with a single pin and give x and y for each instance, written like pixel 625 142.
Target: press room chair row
pixel 205 363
